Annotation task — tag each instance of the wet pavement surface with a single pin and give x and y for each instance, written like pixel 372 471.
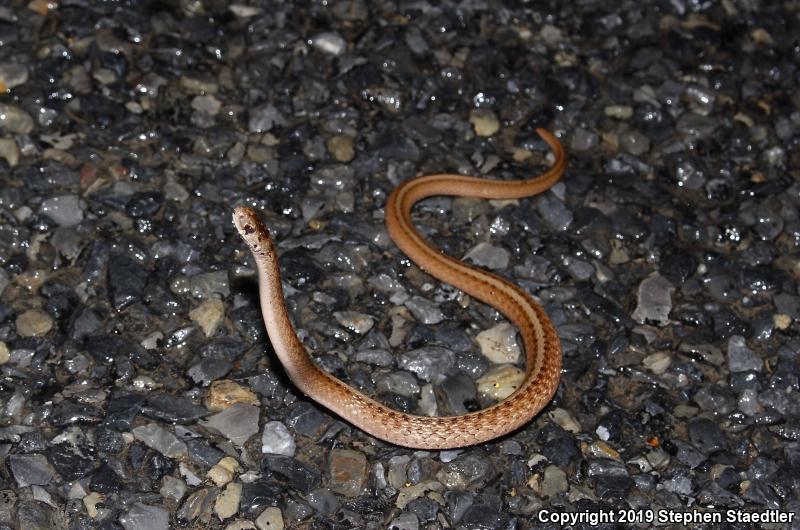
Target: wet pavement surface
pixel 139 389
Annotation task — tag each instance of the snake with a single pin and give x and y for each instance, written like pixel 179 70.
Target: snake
pixel 539 338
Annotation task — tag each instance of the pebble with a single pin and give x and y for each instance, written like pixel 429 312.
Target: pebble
pixel 172 487
pixel 224 393
pixel 9 151
pixel 198 505
pixel 33 323
pixel 91 502
pixel 410 492
pixel 404 521
pixel 654 300
pixel 553 212
pixel 424 310
pixel 657 362
pixel 174 409
pixel 550 483
pixel 65 210
pixel 354 321
pixel 373 356
pixel 620 112
pixel 740 357
pixel 484 122
pixel 500 381
pixel 583 140
pixel 227 503
pixel 127 279
pixel 323 501
pixel 564 419
pixel 224 471
pixel 13 75
pixel 160 440
pixel 208 370
pixel 347 470
pixel 329 42
pixel 207 104
pixel 209 285
pixel 431 363
pixel 15 120
pixel 298 475
pixel 706 435
pixel 145 517
pixel 209 315
pixel 499 344
pixel 277 440
pixel 341 148
pixel 270 519
pixel 400 383
pixel 237 423
pixel 489 256
pixel 264 118
pixel 31 469
pixel 307 420
pixel 634 143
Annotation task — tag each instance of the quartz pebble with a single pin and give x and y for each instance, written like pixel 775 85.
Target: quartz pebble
pixel 499 344
pixel 654 300
pixel 276 439
pixel 488 256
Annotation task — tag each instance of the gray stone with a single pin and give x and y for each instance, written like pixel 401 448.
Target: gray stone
pixel 14 119
pixel 740 357
pixel 424 310
pixel 31 469
pixel 654 300
pixel 145 517
pixel 161 440
pixel 488 256
pixel 236 423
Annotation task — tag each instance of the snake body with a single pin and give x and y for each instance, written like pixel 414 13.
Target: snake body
pixel 540 341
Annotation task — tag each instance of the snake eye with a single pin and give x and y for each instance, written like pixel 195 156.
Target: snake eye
pixel 248 229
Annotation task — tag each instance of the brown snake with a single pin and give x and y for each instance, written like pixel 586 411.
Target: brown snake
pixel 539 338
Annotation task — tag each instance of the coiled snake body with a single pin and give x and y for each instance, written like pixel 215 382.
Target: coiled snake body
pixel 539 338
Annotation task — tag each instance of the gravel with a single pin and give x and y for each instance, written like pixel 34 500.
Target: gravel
pixel 139 389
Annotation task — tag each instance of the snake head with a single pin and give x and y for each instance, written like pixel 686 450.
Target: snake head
pixel 253 231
